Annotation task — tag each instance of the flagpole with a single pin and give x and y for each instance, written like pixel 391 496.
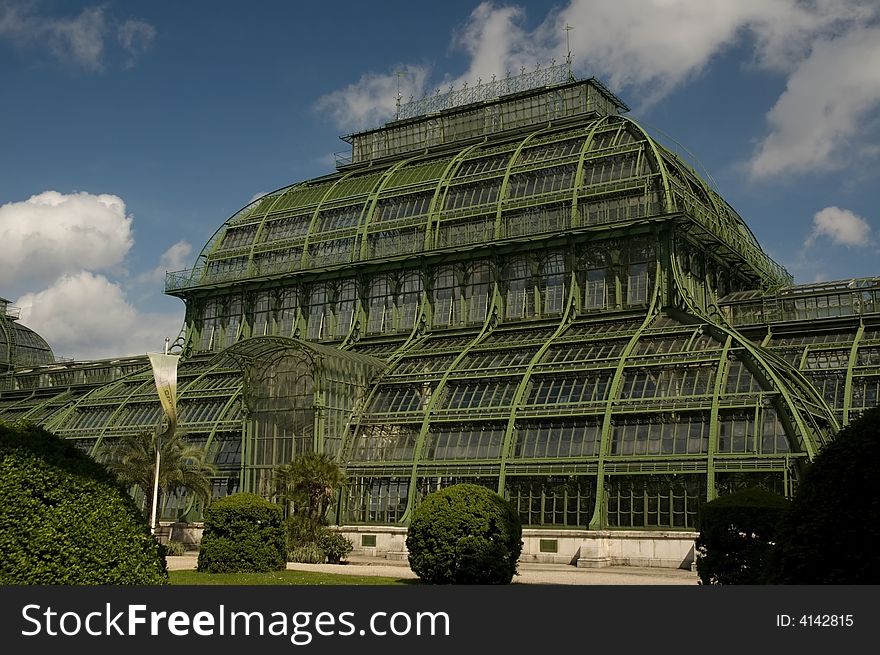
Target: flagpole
pixel 156 473
pixel 155 489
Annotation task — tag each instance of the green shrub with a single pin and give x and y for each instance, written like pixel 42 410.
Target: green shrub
pixel 830 533
pixel 336 546
pixel 464 534
pixel 65 520
pixel 243 533
pixel 307 554
pixel 738 537
pixel 301 530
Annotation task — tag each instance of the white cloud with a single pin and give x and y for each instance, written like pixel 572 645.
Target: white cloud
pixel 86 316
pixel 814 122
pixel 373 98
pixel 135 37
pixel 55 247
pixel 841 226
pixel 51 234
pixel 78 40
pixel 496 42
pixel 651 47
pixel 176 258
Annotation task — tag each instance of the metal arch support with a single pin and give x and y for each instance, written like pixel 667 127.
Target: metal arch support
pixel 760 358
pixel 714 428
pixel 366 219
pixel 304 257
pixel 596 522
pixel 516 403
pixel 577 187
pixel 117 411
pixel 439 197
pixel 419 447
pixel 502 190
pixel 851 364
pixel 658 162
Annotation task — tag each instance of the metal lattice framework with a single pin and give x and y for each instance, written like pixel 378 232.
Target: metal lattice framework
pixel 19 346
pixel 527 292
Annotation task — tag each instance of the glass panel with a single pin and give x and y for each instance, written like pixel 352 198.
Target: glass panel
pixel 557 439
pixel 456 442
pixel 376 499
pixel 385 443
pixel 552 501
pixel 655 501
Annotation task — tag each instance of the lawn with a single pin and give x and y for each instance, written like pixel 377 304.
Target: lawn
pixel 188 577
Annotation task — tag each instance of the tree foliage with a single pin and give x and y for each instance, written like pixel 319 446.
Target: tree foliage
pixel 310 481
pixel 464 534
pixel 829 535
pixel 243 533
pixel 182 466
pixel 64 519
pixel 738 537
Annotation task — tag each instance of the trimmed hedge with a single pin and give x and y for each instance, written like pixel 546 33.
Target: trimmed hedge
pixel 464 534
pixel 65 520
pixel 830 534
pixel 738 537
pixel 243 533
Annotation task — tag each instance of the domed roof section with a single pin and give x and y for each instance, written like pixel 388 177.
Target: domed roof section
pixel 19 345
pixel 590 170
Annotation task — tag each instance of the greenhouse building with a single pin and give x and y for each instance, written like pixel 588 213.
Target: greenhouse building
pixel 512 284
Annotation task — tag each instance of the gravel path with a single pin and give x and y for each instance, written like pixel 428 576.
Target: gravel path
pixel 529 573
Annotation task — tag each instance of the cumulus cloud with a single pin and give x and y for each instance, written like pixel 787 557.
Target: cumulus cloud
pixel 841 226
pixel 51 234
pixel 661 43
pixel 814 121
pixel 373 98
pixel 652 47
pixel 86 316
pixel 56 248
pixel 79 40
pixel 496 42
pixel 176 258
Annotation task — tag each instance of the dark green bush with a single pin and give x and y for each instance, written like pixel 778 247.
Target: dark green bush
pixel 335 546
pixel 64 519
pixel 464 534
pixel 243 533
pixel 830 534
pixel 738 537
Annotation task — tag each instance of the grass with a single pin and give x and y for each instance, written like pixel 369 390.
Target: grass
pixel 189 577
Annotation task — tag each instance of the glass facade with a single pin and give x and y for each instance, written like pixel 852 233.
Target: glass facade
pixel 563 312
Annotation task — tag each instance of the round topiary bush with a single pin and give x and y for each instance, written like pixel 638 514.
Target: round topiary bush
pixel 830 534
pixel 464 534
pixel 243 533
pixel 65 520
pixel 738 536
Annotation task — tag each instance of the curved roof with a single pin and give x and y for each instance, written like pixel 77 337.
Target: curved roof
pixel 489 401
pixel 21 346
pixel 584 175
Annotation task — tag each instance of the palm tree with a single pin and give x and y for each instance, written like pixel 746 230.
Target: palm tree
pixel 182 466
pixel 310 481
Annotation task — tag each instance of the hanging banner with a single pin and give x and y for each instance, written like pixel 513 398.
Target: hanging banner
pixel 165 374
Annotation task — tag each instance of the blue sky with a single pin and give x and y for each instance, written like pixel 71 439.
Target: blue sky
pixel 131 131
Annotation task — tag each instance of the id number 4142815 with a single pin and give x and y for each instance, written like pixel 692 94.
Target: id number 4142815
pixel 814 620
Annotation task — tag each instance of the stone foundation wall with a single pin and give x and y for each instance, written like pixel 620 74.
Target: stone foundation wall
pixel 583 548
